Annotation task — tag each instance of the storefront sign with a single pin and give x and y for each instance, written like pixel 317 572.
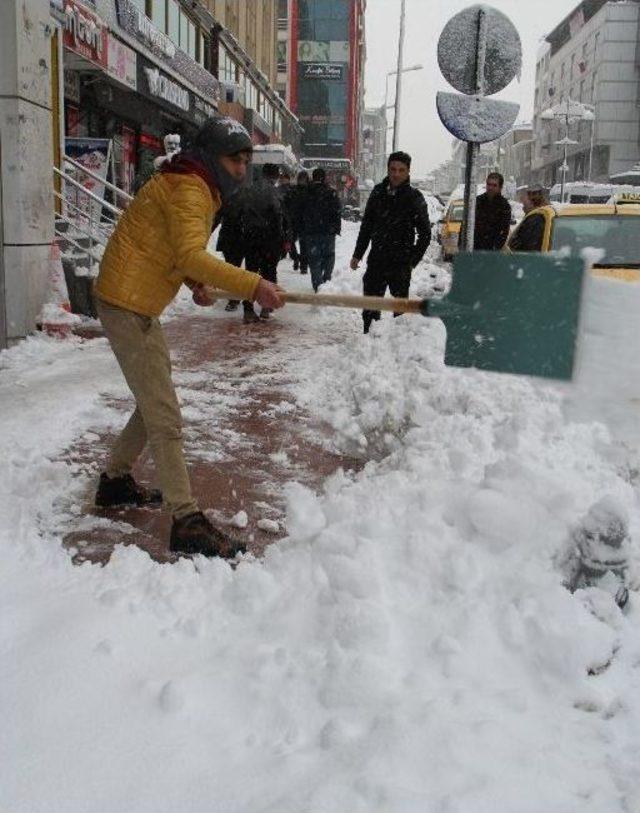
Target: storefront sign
pixel 155 83
pixel 201 110
pixel 135 21
pixel 121 62
pixel 322 70
pixel 84 33
pixel 71 86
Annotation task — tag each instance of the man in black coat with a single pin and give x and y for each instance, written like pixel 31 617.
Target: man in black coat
pixel 493 216
pixel 395 213
pixel 320 223
pixel 263 231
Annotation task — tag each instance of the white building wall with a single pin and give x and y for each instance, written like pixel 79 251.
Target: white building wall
pixel 27 158
pixel 608 45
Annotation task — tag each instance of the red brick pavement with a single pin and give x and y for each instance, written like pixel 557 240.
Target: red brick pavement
pixel 240 451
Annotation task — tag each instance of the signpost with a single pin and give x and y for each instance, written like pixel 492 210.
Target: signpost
pixel 479 53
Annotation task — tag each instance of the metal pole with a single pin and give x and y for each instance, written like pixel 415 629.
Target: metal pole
pixel 564 153
pixel 593 126
pixel 396 114
pixel 470 191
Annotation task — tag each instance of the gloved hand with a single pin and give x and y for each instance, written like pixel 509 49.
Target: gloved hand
pixel 201 295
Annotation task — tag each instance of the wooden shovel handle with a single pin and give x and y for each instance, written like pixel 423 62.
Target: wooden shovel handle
pixel 369 303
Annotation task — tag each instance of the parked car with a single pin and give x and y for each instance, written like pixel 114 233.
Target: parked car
pixel 450 225
pixel 614 228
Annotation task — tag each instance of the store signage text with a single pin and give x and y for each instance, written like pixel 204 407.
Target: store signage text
pixel 164 88
pixel 322 70
pixel 83 33
pixel 132 19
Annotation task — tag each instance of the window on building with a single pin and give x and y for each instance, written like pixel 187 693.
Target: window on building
pixel 173 29
pixel 281 55
pixel 141 5
pixel 158 14
pixel 323 20
pixel 251 94
pixel 268 37
pixel 226 66
pixel 192 43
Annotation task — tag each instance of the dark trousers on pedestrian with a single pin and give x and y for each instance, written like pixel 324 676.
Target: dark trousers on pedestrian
pixel 375 282
pixel 303 253
pixel 235 258
pixel 265 263
pixel 322 257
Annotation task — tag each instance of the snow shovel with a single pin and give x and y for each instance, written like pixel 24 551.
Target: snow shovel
pixel 510 313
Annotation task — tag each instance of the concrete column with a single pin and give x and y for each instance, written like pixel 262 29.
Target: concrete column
pixel 26 158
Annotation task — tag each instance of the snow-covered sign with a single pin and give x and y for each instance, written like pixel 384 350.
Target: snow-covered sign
pixel 474 118
pixel 479 53
pixel 459 44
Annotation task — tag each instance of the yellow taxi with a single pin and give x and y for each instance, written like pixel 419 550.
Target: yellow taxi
pixel 614 228
pixel 449 232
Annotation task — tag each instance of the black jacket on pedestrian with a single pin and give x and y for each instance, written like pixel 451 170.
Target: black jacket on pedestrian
pixel 493 219
pixel 320 210
pixel 260 217
pixel 529 234
pixel 230 235
pixel 392 218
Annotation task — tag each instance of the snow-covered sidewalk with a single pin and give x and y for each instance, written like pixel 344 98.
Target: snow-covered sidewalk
pixel 407 647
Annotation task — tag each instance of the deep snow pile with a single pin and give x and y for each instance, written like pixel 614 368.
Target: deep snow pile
pixel 409 648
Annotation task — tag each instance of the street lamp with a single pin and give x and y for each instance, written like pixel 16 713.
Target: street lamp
pixel 396 104
pixel 569 111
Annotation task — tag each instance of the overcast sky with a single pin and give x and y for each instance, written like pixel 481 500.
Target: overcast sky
pixel 421 132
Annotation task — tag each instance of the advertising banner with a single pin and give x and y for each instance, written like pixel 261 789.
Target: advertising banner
pixel 121 62
pixel 321 70
pixel 85 33
pixel 94 154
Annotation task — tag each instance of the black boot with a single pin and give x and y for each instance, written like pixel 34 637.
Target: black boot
pixel 232 305
pixel 122 491
pixel 195 534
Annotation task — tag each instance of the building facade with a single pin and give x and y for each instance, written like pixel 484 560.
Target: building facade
pixel 325 53
pixel 591 57
pixel 373 151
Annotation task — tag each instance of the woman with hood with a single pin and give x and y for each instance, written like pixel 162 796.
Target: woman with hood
pixel 160 243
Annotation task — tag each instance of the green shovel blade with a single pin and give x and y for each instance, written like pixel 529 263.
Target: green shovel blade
pixel 512 313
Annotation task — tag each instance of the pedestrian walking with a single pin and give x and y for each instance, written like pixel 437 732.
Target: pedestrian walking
pixel 493 216
pixel 159 243
pixel 263 229
pixel 286 190
pixel 230 242
pixel 396 224
pixel 298 197
pixel 321 223
pixel 530 234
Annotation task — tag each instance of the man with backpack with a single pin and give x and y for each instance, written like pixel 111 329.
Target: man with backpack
pixel 320 223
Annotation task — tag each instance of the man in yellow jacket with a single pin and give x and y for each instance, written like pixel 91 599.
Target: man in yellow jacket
pixel 160 243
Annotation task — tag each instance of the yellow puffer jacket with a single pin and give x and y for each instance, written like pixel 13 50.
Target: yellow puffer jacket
pixel 160 241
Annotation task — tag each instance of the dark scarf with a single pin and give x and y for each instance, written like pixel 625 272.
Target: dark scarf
pixel 195 162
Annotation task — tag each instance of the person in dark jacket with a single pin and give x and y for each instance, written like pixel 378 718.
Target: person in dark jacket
pixel 230 242
pixel 287 193
pixel 320 222
pixel 298 198
pixel 395 213
pixel 493 216
pixel 529 235
pixel 262 229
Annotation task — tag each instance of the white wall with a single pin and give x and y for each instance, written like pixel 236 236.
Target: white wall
pixel 25 135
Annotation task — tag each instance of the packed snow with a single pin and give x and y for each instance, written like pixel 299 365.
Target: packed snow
pixel 410 646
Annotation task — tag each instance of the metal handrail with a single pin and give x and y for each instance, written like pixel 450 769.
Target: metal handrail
pixel 82 249
pixel 74 225
pixel 93 175
pixel 68 179
pixel 83 214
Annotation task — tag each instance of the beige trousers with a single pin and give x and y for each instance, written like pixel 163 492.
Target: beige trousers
pixel 143 356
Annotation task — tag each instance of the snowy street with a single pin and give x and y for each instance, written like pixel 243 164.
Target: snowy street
pixel 398 640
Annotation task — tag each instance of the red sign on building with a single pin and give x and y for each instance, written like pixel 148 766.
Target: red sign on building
pixel 84 33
